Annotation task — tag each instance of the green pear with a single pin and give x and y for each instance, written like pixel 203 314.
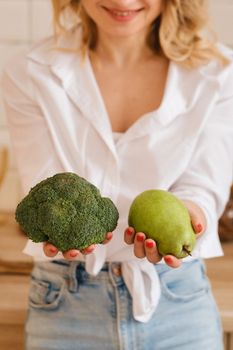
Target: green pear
pixel 164 218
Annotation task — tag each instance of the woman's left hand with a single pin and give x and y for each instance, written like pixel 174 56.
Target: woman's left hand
pixel 146 247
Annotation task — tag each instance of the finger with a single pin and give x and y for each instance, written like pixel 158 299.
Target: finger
pixel 88 250
pixel 151 251
pixel 108 237
pixel 50 250
pixel 197 216
pixel 71 254
pixel 197 223
pixel 129 235
pixel 172 261
pixel 139 249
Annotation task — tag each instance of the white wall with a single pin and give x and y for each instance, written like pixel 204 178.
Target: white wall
pixel 222 15
pixel 22 22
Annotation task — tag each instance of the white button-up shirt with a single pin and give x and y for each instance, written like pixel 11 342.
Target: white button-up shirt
pixel 58 122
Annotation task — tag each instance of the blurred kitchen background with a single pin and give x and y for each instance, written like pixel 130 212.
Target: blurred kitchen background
pixel 22 22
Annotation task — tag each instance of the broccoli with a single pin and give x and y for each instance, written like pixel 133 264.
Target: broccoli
pixel 68 211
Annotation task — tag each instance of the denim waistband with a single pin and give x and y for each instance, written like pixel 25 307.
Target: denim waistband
pixel 72 272
pixel 81 264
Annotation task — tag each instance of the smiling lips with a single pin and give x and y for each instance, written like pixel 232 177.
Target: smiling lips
pixel 122 15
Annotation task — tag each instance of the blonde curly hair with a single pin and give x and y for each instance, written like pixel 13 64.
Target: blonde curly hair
pixel 179 32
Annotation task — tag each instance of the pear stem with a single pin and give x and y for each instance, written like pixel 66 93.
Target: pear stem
pixel 185 249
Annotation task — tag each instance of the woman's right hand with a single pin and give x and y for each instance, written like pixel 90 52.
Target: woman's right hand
pixel 146 248
pixel 51 251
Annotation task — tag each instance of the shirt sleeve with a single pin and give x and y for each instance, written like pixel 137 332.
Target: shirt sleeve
pixel 32 145
pixel 208 178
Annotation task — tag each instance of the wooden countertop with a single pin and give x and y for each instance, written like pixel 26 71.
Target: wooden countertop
pixel 220 273
pixel 14 262
pixel 12 242
pixel 13 299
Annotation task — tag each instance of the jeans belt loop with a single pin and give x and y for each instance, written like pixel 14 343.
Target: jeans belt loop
pixel 72 277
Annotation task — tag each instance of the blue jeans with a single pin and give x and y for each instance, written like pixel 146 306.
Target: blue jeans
pixel 72 310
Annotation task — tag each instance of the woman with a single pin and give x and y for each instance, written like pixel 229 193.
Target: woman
pixel 131 96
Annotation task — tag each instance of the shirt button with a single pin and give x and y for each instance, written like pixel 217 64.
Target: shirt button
pixel 116 270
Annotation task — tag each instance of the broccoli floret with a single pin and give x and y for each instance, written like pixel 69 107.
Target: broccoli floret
pixel 68 211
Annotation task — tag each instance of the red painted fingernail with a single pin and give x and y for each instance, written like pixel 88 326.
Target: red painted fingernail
pixel 150 244
pixel 168 259
pixel 109 236
pixel 90 249
pixel 73 254
pixel 140 238
pixel 199 228
pixel 129 231
pixel 53 250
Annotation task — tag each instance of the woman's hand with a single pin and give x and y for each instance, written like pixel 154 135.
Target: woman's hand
pixel 51 251
pixel 146 247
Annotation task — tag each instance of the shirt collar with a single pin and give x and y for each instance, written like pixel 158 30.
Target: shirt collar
pixel 62 64
pixel 76 77
pixel 181 86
